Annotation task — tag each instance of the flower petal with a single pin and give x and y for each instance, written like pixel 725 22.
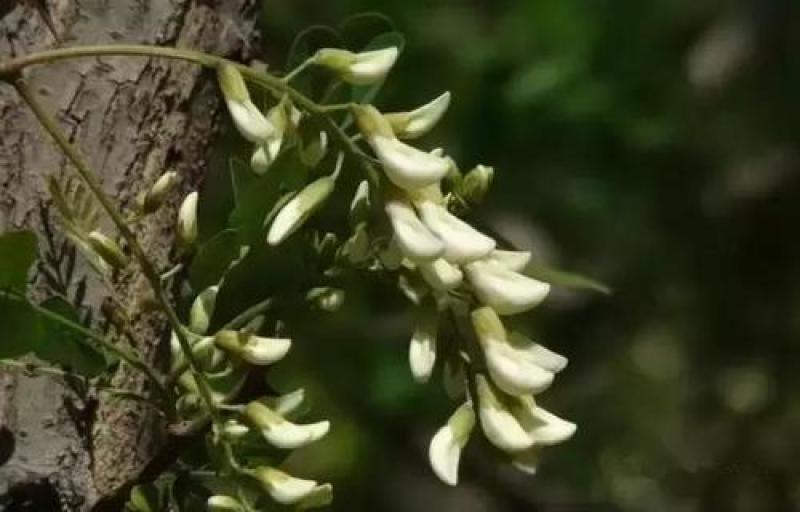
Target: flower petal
pixel 444 452
pixel 463 243
pixel 507 292
pixel 414 239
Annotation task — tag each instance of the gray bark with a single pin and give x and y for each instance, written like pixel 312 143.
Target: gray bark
pixel 132 118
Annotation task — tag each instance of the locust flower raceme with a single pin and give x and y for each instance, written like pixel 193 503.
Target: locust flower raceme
pixel 363 68
pixel 281 432
pixel 444 452
pixel 418 122
pixel 515 424
pixel 254 349
pixel 187 220
pixel 250 122
pixel 504 290
pixel 462 242
pixel 517 369
pixel 301 207
pixel 284 488
pixel 407 167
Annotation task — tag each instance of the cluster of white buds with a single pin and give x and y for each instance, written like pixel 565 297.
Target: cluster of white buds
pixel 455 260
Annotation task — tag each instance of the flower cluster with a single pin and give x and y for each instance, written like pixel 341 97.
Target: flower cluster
pixel 464 270
pixel 460 280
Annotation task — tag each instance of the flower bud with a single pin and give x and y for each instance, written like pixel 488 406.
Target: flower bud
pixel 326 298
pixel 253 349
pixel 445 449
pixel 221 503
pixel 414 239
pixel 363 68
pixel 356 249
pixel 512 260
pixel 410 125
pixel 505 291
pixel 260 161
pixel 422 349
pixel 187 221
pixel 441 275
pixel 283 488
pixel 475 185
pixel 107 249
pixel 281 432
pixel 155 197
pixel 360 205
pixel 202 309
pixel 299 209
pixel 312 153
pixel 513 370
pixel 462 242
pixel 250 122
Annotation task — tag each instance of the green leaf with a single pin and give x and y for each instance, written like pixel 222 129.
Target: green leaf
pixel 367 93
pixel 63 346
pixel 21 328
pixel 17 253
pixel 566 279
pixel 213 259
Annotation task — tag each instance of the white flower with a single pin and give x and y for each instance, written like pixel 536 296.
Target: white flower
pixel 514 424
pixel 232 429
pixel 422 349
pixel 414 239
pixel 463 243
pixel 358 68
pixel 299 209
pixel 409 125
pixel 281 432
pixel 222 503
pixel 250 122
pixel 187 220
pixel 283 488
pixel 255 350
pixel 505 291
pixel 512 260
pixel 537 353
pixel 445 449
pixel 516 369
pixel 407 167
pixel 441 275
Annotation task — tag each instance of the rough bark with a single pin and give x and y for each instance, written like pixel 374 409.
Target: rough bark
pixel 132 118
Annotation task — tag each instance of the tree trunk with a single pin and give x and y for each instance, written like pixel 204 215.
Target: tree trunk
pixel 133 118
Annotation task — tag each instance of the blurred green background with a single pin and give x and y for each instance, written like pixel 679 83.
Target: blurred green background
pixel 651 145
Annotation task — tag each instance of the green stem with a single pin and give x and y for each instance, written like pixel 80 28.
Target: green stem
pixel 103 343
pixel 148 269
pixel 248 314
pixel 299 69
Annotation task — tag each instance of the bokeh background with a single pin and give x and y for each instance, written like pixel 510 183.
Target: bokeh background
pixel 651 145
